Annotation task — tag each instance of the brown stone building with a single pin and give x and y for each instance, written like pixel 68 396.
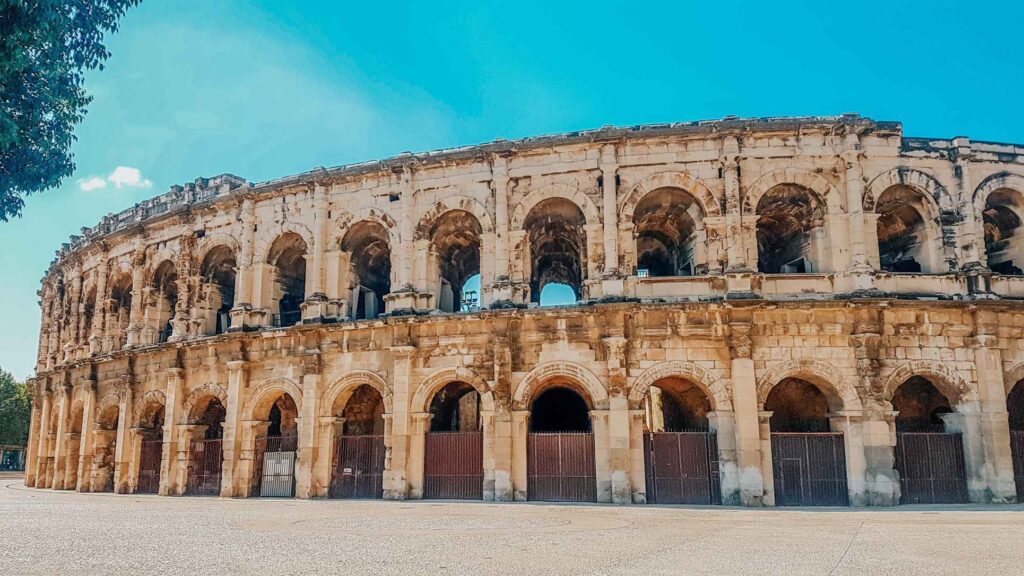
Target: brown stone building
pixel 768 312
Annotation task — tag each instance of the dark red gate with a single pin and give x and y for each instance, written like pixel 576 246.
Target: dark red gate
pixel 204 464
pixel 560 467
pixel 358 467
pixel 453 465
pixel 931 467
pixel 149 467
pixel 1017 449
pixel 682 468
pixel 809 469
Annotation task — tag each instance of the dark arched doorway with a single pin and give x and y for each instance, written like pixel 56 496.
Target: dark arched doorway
pixel 206 449
pixel 1015 408
pixel 560 448
pixel 151 444
pixel 276 449
pixel 359 457
pixel 929 458
pixel 453 465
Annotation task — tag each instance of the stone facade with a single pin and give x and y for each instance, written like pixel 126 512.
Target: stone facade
pixel 732 255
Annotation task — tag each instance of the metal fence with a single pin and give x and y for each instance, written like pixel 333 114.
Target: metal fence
pixel 205 458
pixel 358 467
pixel 274 470
pixel 1017 449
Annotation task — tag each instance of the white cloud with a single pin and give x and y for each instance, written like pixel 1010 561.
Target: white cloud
pixel 126 176
pixel 92 183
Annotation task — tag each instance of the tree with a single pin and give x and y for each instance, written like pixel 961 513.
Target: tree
pixel 45 48
pixel 15 410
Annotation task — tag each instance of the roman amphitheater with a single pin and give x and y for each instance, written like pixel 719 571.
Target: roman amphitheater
pixel 763 312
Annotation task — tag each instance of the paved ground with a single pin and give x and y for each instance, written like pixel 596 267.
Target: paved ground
pixel 46 532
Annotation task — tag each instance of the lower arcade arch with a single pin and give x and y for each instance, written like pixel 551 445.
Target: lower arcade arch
pixel 808 452
pixel 205 447
pixel 560 445
pixel 359 450
pixel 275 450
pixel 929 444
pixel 453 466
pixel 149 451
pixel 680 449
pixel 1015 411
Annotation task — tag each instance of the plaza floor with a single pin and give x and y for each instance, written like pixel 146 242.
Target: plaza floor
pixel 48 532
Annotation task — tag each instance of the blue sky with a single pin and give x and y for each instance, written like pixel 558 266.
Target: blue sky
pixel 267 89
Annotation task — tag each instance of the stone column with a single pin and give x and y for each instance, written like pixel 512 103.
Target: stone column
pixel 609 186
pixel 135 316
pixel 251 430
pixel 599 422
pixel 174 418
pixel 850 424
pixel 739 269
pixel 331 428
pixel 86 439
pixel 420 425
pixel 520 429
pixel 993 419
pixel 63 409
pixel 315 305
pixel 972 237
pixel 749 458
pixel 487 421
pixel 122 446
pixel 231 485
pixel 76 312
pixel 244 278
pixel 637 457
pixel 179 325
pixel 499 183
pixel 862 274
pixel 43 437
pixel 307 423
pixel 32 450
pixel 396 486
pixel 723 424
pixel 967 421
pixel 882 483
pixel 135 434
pixel 767 465
pixel 102 307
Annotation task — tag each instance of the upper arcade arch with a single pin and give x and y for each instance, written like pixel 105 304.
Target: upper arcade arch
pixel 999 203
pixel 345 221
pixel 684 181
pixel 429 220
pixel 822 190
pixel 573 195
pixel 934 193
pixel 262 251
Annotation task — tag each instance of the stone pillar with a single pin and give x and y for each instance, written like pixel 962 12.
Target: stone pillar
pixel 723 424
pixel 738 226
pixel 610 213
pixel 101 308
pixel 122 446
pixel 420 425
pixel 994 420
pixel 315 306
pixel 63 409
pixel 767 465
pixel 244 278
pixel 882 483
pixel 396 486
pixel 251 430
pixel 134 457
pixel 487 422
pixel 43 437
pixel 173 419
pixel 520 429
pixel 230 485
pixel 850 424
pixel 86 439
pixel 32 450
pixel 135 316
pixel 967 421
pixel 499 183
pixel 619 444
pixel 307 423
pixel 599 422
pixel 179 325
pixel 331 428
pixel 76 312
pixel 971 236
pixel 862 274
pixel 749 448
pixel 637 456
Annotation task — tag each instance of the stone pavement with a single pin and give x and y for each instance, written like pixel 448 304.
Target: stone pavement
pixel 47 532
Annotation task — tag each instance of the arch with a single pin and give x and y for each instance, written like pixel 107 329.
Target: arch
pixel 937 197
pixel 151 398
pixel 564 191
pixel 674 179
pixel 955 388
pixel 158 260
pixel 534 381
pixel 210 242
pixel 266 240
pixel 841 394
pixel 1013 376
pixel 713 387
pixel 346 384
pixel 201 393
pixel 997 181
pixel 820 187
pixel 449 204
pixel 267 392
pixel 346 220
pixel 439 379
pixel 112 400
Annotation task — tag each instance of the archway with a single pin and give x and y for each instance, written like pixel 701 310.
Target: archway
pixel 560 446
pixel 929 458
pixel 454 257
pixel 1004 237
pixel 669 229
pixel 205 450
pixel 558 246
pixel 791 234
pixel 808 458
pixel 680 453
pixel 453 466
pixel 218 290
pixel 276 447
pixel 359 456
pixel 369 253
pixel 151 444
pixel 105 448
pixel 1015 409
pixel 164 305
pixel 907 237
pixel 119 317
pixel 287 256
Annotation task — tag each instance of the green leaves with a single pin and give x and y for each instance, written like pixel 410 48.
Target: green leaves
pixel 45 48
pixel 15 410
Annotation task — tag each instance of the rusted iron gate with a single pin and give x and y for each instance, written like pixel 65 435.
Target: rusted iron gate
pixel 453 465
pixel 931 467
pixel 682 468
pixel 149 467
pixel 358 467
pixel 810 469
pixel 1017 449
pixel 204 464
pixel 560 467
pixel 274 467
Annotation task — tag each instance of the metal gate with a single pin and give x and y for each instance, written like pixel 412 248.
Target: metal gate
pixel 1017 449
pixel 453 465
pixel 204 464
pixel 560 467
pixel 682 468
pixel 358 467
pixel 931 467
pixel 149 467
pixel 274 467
pixel 809 469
